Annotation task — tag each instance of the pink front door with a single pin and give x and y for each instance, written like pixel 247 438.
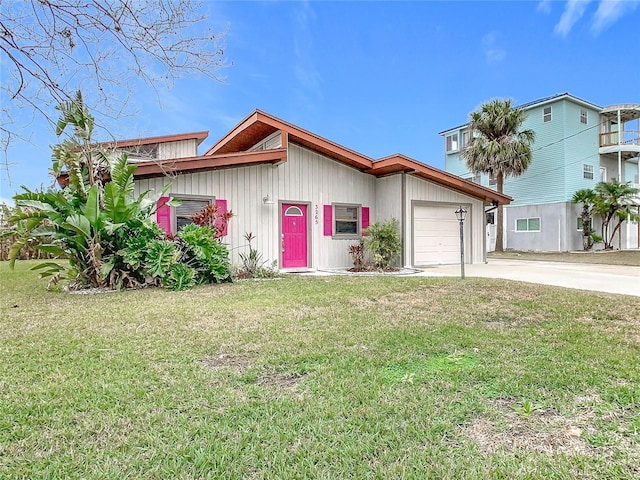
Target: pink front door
pixel 294 236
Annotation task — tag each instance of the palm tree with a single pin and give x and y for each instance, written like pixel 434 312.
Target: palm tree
pixel 587 198
pixel 499 148
pixel 614 200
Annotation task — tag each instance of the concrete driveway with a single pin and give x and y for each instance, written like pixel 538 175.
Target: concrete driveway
pixel 600 278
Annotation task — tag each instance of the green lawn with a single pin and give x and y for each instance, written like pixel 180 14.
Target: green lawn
pixel 319 377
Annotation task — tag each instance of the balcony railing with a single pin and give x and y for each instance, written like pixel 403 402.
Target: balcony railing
pixel 629 137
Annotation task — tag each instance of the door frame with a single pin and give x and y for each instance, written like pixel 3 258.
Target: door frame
pixel 280 234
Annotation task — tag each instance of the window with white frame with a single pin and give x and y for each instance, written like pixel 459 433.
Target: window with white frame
pixel 528 224
pixel 584 118
pixel 189 205
pixel 346 220
pixel 587 171
pixel 493 180
pixel 546 114
pixel 466 138
pixel 452 142
pixel 580 224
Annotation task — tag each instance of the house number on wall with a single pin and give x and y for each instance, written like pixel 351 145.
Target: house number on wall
pixel 316 214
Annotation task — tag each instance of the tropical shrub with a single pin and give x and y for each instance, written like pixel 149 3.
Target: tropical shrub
pixel 107 234
pixel 383 242
pixel 611 201
pixel 253 265
pixel 357 255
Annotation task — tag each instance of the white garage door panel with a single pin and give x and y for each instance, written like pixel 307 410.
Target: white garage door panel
pixel 436 235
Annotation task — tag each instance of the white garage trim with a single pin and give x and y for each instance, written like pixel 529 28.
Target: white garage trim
pixel 435 233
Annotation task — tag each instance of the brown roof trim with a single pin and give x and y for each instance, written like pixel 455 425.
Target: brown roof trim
pixel 260 124
pixel 199 136
pixel 401 163
pixel 209 162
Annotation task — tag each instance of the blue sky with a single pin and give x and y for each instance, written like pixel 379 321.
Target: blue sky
pixel 382 77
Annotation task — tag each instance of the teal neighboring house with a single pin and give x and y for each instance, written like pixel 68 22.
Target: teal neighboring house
pixel 577 145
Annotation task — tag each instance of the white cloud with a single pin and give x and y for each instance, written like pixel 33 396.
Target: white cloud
pixel 573 11
pixel 493 52
pixel 610 11
pixel 544 6
pixel 607 13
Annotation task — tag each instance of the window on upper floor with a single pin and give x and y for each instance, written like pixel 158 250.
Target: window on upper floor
pixel 452 142
pixel 587 171
pixel 493 180
pixel 466 138
pixel 546 114
pixel 584 116
pixel 528 224
pixel 346 220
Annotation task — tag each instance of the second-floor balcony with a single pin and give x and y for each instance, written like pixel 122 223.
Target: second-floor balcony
pixel 628 137
pixel 621 133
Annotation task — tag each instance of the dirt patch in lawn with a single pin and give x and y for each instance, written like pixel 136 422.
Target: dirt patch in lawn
pixel 542 430
pixel 284 381
pixel 236 363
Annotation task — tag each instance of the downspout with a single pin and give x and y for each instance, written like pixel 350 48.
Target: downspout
pixel 403 222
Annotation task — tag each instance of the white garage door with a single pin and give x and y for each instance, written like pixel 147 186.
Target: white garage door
pixel 436 235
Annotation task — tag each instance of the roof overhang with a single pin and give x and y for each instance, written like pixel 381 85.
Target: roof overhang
pixel 399 163
pixel 231 151
pixel 198 136
pixel 161 168
pixel 627 112
pixel 258 125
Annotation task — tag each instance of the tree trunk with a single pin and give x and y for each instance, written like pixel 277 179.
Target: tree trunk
pixel 499 220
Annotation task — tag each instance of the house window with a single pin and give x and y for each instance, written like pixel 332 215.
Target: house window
pixel 493 180
pixel 528 224
pixel 452 142
pixel 546 114
pixel 587 172
pixel 466 138
pixel 188 207
pixel 583 116
pixel 346 220
pixel 580 223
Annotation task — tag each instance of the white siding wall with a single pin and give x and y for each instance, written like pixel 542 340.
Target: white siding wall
pixel 310 178
pixel 306 177
pixel 424 191
pixel 181 149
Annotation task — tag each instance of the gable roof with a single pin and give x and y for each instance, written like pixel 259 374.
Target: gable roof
pixel 231 151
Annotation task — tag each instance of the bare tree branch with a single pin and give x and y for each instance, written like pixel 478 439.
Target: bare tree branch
pixel 50 49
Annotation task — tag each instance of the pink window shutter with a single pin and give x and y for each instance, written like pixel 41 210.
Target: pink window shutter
pixel 221 223
pixel 163 215
pixel 365 218
pixel 328 220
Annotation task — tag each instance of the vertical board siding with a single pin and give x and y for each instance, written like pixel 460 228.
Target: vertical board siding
pixel 179 149
pixel 306 177
pixel 315 180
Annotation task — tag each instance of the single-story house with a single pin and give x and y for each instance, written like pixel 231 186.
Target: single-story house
pixel 306 199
